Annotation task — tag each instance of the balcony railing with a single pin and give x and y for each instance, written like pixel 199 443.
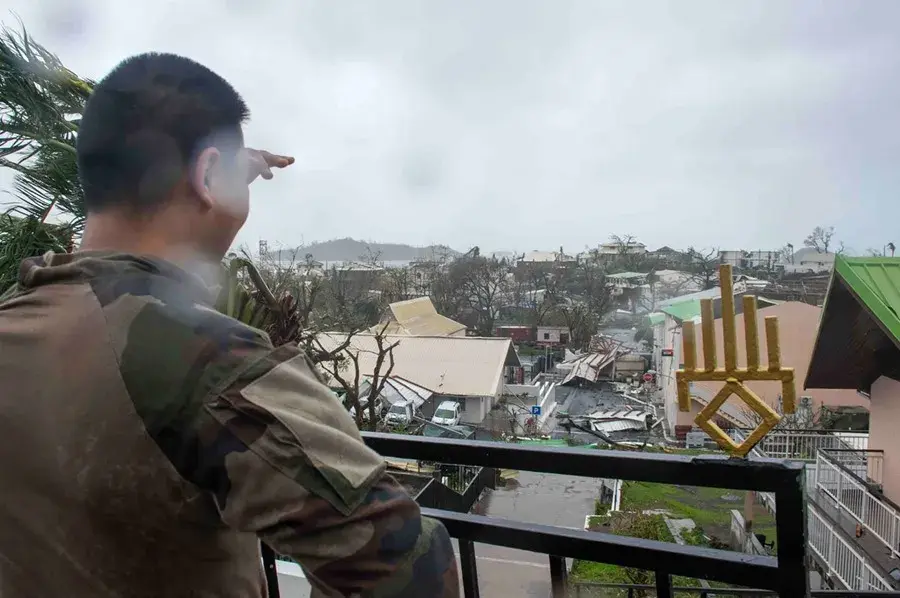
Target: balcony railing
pixel 836 470
pixel 803 445
pixel 785 574
pixel 844 479
pixel 842 560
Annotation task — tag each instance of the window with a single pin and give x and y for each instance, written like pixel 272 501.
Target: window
pixel 546 336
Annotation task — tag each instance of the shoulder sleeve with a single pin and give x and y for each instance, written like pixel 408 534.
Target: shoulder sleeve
pixel 254 427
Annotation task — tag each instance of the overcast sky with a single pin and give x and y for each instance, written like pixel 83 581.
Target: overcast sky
pixel 534 124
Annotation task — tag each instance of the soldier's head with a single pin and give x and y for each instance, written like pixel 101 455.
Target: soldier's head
pixel 160 155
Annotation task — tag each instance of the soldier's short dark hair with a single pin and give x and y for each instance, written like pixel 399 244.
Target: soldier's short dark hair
pixel 145 124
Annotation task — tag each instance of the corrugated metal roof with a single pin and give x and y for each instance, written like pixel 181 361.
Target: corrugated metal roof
pixel 687 310
pixel 876 281
pixel 619 420
pixel 451 365
pixel 712 293
pixel 588 367
pixel 418 317
pixel 398 390
pixel 656 317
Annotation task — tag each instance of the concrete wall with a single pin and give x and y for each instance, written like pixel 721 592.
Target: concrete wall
pixel 884 414
pixel 475 409
pixel 670 338
pixel 552 332
pixel 742 540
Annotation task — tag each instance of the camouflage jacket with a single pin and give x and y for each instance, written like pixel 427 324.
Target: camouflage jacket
pixel 149 442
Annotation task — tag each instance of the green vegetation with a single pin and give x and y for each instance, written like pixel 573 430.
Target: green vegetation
pixel 710 508
pixel 635 525
pixel 706 506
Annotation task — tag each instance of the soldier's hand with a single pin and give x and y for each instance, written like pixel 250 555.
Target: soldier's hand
pixel 261 163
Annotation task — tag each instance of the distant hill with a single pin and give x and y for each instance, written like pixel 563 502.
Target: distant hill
pixel 348 250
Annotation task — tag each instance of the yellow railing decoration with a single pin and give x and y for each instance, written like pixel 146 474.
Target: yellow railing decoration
pixel 733 376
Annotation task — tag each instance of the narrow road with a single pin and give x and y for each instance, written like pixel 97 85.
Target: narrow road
pixel 534 498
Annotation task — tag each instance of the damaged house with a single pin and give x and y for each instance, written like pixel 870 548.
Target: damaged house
pixel 606 360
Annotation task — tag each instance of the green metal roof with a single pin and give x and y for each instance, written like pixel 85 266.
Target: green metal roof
pixel 686 310
pixel 876 283
pixel 656 318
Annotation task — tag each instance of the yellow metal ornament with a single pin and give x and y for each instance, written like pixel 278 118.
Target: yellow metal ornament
pixel 733 376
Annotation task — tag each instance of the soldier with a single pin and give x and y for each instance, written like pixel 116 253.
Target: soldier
pixel 150 442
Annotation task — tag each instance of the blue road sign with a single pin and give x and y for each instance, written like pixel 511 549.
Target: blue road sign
pixel 535 410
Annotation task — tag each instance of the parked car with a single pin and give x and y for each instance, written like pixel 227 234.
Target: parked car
pixel 400 414
pixel 380 408
pixel 447 414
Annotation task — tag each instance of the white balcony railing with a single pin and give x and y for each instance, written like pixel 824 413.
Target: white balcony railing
pixel 803 445
pixel 841 558
pixel 824 455
pixel 851 495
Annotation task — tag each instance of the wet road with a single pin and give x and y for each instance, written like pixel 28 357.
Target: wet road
pixel 537 498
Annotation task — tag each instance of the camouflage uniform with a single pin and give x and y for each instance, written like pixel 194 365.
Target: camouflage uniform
pixel 149 442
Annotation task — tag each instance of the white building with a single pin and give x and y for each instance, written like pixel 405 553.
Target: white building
pixel 759 259
pixel 470 370
pixel 614 248
pixel 810 260
pixel 555 335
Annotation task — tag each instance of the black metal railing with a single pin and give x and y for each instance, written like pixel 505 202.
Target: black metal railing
pixel 786 575
pixel 627 590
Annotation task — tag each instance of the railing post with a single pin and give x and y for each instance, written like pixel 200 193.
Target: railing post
pixel 270 570
pixel 894 533
pixel 558 576
pixel 663 585
pixel 840 488
pixel 469 568
pixel 790 533
pixel 818 466
pixel 865 501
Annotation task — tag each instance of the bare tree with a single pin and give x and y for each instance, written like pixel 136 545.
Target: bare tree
pixel 704 266
pixel 803 418
pixel 787 254
pixel 344 368
pixel 628 257
pixel 397 285
pixel 820 238
pixel 539 294
pixel 475 287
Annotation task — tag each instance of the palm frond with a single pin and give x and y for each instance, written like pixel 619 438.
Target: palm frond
pixel 41 102
pixel 24 237
pixel 40 99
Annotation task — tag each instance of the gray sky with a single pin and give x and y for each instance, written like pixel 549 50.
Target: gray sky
pixel 530 124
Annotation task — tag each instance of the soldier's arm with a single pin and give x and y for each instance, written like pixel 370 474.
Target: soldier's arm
pixel 284 460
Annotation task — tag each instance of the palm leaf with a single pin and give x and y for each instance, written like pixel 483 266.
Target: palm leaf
pixel 41 102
